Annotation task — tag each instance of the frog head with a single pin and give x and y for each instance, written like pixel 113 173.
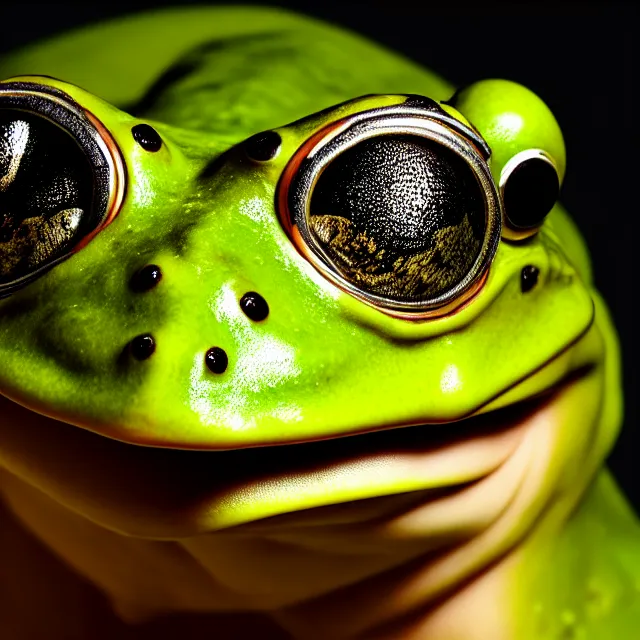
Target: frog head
pixel 379 300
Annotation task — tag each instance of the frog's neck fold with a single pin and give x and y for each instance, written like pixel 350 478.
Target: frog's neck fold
pixel 569 575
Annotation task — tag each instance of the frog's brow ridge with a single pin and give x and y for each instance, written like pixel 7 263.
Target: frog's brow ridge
pixel 188 64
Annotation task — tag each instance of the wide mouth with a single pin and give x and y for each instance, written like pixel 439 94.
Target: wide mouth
pixel 169 493
pixel 396 440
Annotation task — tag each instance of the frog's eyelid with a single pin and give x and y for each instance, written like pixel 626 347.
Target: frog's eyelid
pixel 412 118
pixel 96 144
pixel 436 112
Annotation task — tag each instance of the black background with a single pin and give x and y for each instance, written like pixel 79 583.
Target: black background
pixel 578 56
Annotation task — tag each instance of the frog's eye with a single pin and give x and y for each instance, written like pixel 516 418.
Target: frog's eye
pixel 58 180
pixel 398 209
pixel 529 185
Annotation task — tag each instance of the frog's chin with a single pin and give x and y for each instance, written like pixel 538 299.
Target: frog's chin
pixel 164 493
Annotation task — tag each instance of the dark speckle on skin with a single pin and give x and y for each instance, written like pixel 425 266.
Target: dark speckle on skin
pixel 146 278
pixel 529 277
pixel 216 360
pixel 254 306
pixel 179 237
pixel 215 165
pixel 147 137
pixel 263 146
pixel 142 347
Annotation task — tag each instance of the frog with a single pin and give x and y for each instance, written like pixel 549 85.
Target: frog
pixel 297 342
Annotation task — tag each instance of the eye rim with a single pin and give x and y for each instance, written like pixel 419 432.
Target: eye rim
pixel 93 139
pixel 510 231
pixel 300 176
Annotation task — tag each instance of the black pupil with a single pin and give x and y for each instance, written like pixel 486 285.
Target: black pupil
pixel 530 193
pixel 400 216
pixel 46 191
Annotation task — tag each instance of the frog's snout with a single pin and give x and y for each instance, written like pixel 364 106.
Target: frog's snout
pixel 143 346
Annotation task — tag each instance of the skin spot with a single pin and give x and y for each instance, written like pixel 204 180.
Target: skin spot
pixel 529 278
pixel 147 137
pixel 146 278
pixel 254 306
pixel 142 347
pixel 263 146
pixel 216 360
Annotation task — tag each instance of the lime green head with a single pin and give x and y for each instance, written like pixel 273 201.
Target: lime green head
pixel 391 261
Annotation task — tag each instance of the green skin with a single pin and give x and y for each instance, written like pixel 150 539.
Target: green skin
pixel 561 549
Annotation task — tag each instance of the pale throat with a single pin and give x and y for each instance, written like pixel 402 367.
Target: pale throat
pixel 405 561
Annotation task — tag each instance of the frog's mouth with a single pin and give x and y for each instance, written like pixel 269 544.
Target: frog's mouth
pixel 168 493
pixel 397 440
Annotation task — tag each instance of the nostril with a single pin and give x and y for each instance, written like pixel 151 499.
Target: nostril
pixel 529 278
pixel 216 360
pixel 146 278
pixel 254 306
pixel 142 347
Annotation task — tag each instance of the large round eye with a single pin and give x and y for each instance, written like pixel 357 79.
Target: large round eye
pixel 46 192
pixel 530 185
pixel 55 185
pixel 403 215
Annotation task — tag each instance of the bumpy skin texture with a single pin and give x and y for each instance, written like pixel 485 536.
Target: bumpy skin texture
pixel 505 527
